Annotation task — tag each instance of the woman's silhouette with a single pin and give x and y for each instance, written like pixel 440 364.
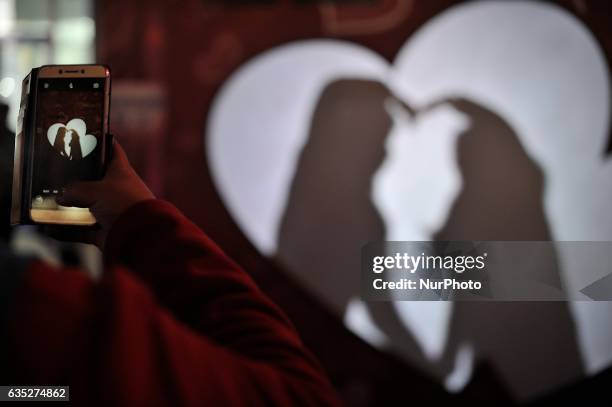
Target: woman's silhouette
pixel 75 146
pixel 60 143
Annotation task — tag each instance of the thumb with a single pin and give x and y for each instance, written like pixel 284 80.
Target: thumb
pixel 80 194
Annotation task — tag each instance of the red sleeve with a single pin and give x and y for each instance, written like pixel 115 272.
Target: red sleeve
pixel 184 326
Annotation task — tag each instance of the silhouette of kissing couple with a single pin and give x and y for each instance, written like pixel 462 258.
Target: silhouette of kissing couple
pixel 68 144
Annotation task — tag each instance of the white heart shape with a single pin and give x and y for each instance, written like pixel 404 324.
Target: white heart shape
pixel 87 142
pixel 533 63
pixel 252 159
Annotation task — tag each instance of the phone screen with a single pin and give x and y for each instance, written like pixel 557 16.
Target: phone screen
pixel 69 130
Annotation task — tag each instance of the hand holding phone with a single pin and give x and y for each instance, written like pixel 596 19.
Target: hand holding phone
pixel 64 121
pixel 107 199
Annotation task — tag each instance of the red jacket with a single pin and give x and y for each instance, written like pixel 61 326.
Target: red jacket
pixel 172 321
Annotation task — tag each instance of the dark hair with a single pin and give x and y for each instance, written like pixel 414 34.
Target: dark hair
pixel 59 144
pixel 75 146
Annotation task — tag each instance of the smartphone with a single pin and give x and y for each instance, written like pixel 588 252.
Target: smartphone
pixel 71 123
